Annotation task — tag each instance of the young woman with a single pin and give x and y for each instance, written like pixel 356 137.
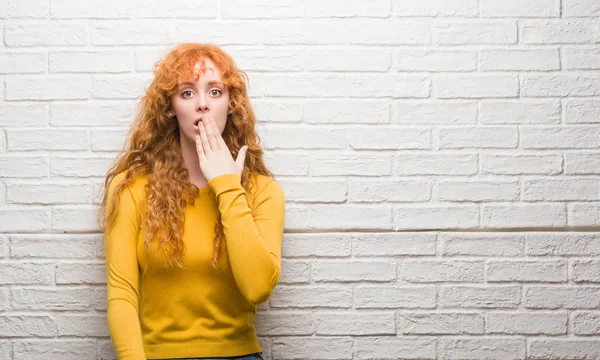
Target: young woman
pixel 192 217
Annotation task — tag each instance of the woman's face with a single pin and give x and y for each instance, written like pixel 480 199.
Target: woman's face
pixel 194 100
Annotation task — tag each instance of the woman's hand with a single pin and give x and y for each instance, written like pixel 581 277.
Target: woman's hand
pixel 215 158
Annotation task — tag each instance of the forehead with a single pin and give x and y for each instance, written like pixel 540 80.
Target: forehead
pixel 204 70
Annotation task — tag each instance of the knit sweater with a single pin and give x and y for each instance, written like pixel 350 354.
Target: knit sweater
pixel 196 311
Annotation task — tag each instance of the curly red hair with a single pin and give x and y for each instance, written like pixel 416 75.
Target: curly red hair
pixel 153 150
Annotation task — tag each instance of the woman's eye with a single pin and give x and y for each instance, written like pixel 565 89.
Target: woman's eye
pixel 213 90
pixel 186 92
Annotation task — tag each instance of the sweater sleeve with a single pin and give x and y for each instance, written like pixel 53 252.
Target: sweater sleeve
pixel 253 240
pixel 122 278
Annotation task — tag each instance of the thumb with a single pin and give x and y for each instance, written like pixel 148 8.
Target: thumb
pixel 241 157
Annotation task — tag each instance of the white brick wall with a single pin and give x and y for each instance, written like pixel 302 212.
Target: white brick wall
pixel 440 158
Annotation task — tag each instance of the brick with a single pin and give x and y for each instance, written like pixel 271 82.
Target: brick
pixel 582 59
pixel 584 8
pixel 434 271
pixel 312 348
pixel 560 137
pixel 106 9
pixel 80 273
pixel 53 246
pixel 389 138
pixel 567 297
pixel 23 166
pixel 409 59
pixel 51 299
pixel 22 62
pixel 461 137
pixel 319 59
pixel 563 244
pixel 484 348
pixel 586 271
pixel 476 86
pixel 287 296
pixel 583 214
pixel 79 166
pixel 437 164
pixel 355 323
pixel 482 244
pixel 132 33
pixel 48 192
pixel 475 32
pixel 440 323
pixel 565 84
pixel 44 87
pixel 197 9
pixel 355 111
pixel 238 9
pixel 478 191
pixel 482 297
pixel 119 86
pixel 110 61
pixel 389 347
pixel 582 164
pixel 582 111
pixel 516 8
pixel 402 32
pixel 353 271
pixel 526 323
pixel 314 191
pixel 23 115
pixel 394 297
pixel 53 34
pixel 350 164
pixel 435 216
pixel 526 271
pixel 61 349
pixel 388 190
pixel 48 139
pixel 585 323
pixel 109 139
pixel 301 137
pixel 555 31
pixel 275 323
pixel 29 9
pixel 355 216
pixel 519 60
pixel 523 215
pixel 39 326
pixel 295 272
pixel 26 219
pixel 288 163
pixel 521 164
pixel 385 85
pixel 434 112
pixel 275 59
pixel 316 245
pixel 254 33
pixel 75 218
pixel 82 325
pixel 563 348
pixel 305 85
pixel 436 8
pixel 347 8
pixel 495 112
pixel 393 243
pixel 279 111
pixel 565 189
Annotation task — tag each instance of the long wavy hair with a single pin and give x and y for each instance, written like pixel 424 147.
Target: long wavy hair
pixel 153 149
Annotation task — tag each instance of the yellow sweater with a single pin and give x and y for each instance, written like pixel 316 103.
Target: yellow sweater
pixel 196 311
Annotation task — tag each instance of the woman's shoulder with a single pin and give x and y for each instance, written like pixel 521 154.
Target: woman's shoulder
pixel 265 185
pixel 137 186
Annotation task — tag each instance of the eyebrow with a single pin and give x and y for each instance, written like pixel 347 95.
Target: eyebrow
pixel 212 82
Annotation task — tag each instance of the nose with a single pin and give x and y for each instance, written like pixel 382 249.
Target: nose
pixel 202 104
